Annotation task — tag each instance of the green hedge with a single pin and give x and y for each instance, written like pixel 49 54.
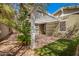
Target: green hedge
pixel 62 47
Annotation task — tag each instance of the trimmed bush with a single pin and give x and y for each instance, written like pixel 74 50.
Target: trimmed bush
pixel 62 47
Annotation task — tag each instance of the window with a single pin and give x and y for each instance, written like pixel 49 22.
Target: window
pixel 62 26
pixel 42 28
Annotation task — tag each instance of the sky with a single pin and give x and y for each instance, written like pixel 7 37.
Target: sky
pixel 52 7
pixel 16 7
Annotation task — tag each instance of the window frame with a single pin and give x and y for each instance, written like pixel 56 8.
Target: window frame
pixel 65 26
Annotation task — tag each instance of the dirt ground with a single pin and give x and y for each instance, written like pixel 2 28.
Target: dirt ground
pixel 11 47
pixel 44 40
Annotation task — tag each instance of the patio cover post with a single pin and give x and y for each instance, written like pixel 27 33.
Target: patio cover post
pixel 33 31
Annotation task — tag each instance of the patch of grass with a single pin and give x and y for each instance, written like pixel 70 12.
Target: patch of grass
pixel 62 47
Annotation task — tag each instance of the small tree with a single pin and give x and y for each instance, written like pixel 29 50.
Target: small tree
pixel 23 26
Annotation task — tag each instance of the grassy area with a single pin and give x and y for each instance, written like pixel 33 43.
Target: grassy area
pixel 62 47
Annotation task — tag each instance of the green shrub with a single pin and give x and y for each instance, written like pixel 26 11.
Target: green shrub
pixel 24 28
pixel 61 47
pixel 44 52
pixel 25 39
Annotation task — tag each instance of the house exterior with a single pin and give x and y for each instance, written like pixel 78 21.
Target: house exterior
pixel 57 23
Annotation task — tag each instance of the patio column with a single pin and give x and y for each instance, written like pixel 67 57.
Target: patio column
pixel 33 31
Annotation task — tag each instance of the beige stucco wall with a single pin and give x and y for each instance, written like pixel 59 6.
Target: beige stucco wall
pixel 51 28
pixel 72 20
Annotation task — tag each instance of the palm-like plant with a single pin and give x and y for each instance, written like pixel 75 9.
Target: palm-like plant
pixel 7 14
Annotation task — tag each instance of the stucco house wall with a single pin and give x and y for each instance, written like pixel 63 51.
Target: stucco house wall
pixel 52 28
pixel 72 20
